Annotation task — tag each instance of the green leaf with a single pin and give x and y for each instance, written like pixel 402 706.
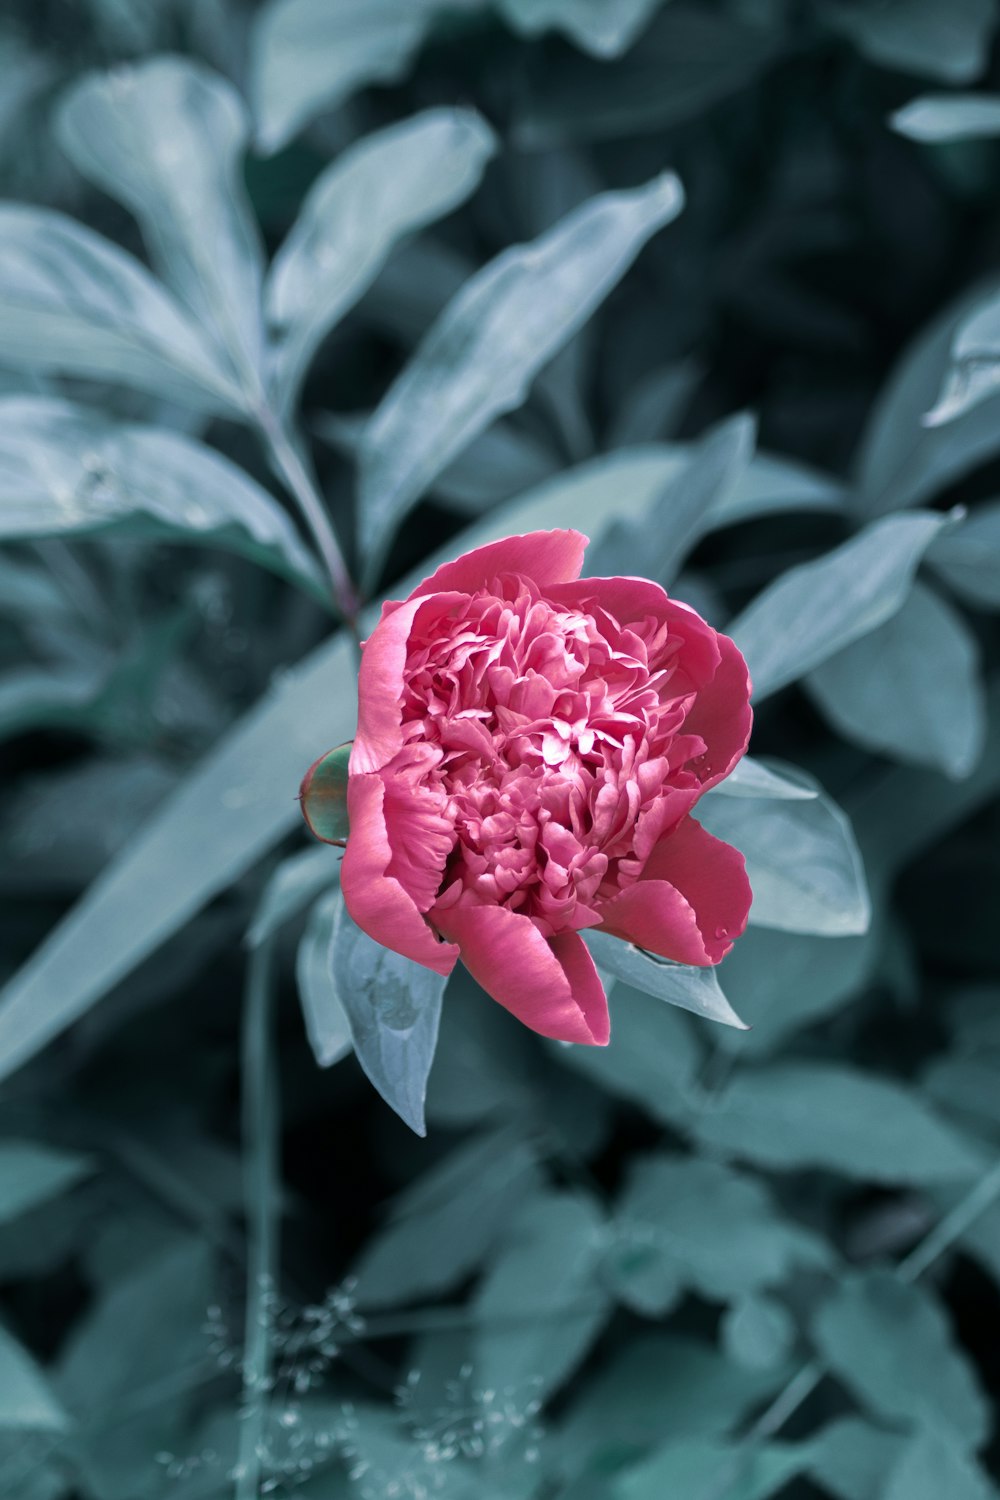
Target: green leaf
pixel 948 117
pixel 385 186
pixel 758 1332
pixel 698 1469
pixel 72 302
pixel 166 137
pixel 67 471
pixel 604 28
pixel 393 1008
pixel 26 1402
pixel 480 357
pixel 295 884
pixel 931 1467
pixel 911 689
pixel 902 461
pixel 802 860
pixel 918 36
pixel 700 1226
pixel 327 1025
pixel 757 778
pixel 852 1459
pixel 967 557
pixel 541 1304
pixel 324 796
pixel 31 1173
pixel 974 372
pixel 890 1344
pixel 444 1226
pixel 691 988
pixel 795 1115
pixel 690 58
pixel 813 611
pixel 307 55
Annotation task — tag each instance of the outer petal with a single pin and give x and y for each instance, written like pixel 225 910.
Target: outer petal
pixel 377 901
pixel 691 901
pixel 380 687
pixel 632 599
pixel 722 715
pixel 549 984
pixel 546 557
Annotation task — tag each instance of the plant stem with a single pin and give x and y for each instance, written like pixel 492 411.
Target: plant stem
pixel 260 1110
pixel 295 475
pixel 954 1224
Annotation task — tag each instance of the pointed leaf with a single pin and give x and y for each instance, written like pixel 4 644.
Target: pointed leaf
pixel 385 186
pixel 948 117
pixel 26 1403
pixel 31 1173
pixel 327 1025
pixel 967 557
pixel 678 984
pixel 166 137
pixel 480 357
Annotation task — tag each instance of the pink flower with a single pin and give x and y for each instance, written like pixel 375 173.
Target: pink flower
pixel 529 749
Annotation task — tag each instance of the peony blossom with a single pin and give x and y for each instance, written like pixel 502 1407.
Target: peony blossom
pixel 530 746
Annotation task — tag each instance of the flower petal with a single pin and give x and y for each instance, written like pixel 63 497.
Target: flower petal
pixel 546 557
pixel 630 600
pixel 722 716
pixel 690 903
pixel 377 901
pixel 380 688
pixel 548 983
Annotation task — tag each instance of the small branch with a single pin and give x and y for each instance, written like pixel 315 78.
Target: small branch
pixel 954 1224
pixel 260 1110
pixel 295 475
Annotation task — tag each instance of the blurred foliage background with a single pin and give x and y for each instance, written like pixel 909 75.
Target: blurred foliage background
pixel 704 1263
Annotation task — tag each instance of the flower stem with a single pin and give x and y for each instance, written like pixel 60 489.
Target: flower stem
pixel 260 1110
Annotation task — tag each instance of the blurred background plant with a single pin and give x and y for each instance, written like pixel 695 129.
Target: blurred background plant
pixel 312 291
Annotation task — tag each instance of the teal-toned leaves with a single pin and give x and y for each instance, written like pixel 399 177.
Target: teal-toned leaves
pixel 26 1402
pixel 691 988
pixel 803 862
pixel 974 372
pixel 757 778
pixel 327 1026
pixel 818 608
pixel 323 795
pixel 308 55
pixel 934 118
pixel 702 1467
pixel 853 1459
pixel 604 28
pixel 393 1008
pixel 480 357
pixel 890 1344
pixel 918 36
pixel 932 1466
pixel 31 1174
pixel 758 1332
pixel 166 137
pixel 794 1115
pixel 73 302
pixel 384 187
pixel 653 1060
pixel 294 885
pixel 967 557
pixel 67 471
pixel 911 689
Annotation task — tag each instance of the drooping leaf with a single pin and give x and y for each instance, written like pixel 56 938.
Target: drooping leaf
pixel 802 860
pixel 689 60
pixel 31 1173
pixel 967 557
pixel 917 36
pixel 67 471
pixel 678 984
pixel 948 117
pixel 73 302
pixel 481 356
pixel 604 28
pixel 793 1115
pixel 443 1227
pixel 327 1024
pixel 542 1302
pixel 393 1009
pixel 323 796
pixel 911 689
pixel 384 187
pixel 166 137
pixel 889 1342
pixel 26 1402
pixel 295 884
pixel 816 609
